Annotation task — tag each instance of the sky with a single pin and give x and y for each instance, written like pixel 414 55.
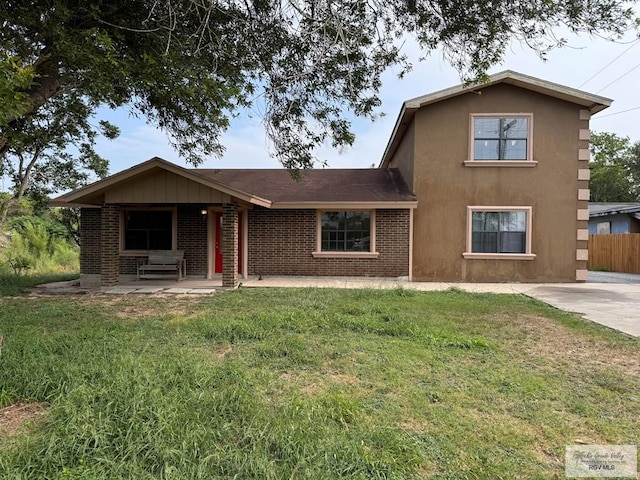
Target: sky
pixel 590 64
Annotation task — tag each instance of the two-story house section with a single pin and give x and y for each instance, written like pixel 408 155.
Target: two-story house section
pixel 501 175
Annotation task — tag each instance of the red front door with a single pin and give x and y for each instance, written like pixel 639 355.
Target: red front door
pixel 218 242
pixel 218 250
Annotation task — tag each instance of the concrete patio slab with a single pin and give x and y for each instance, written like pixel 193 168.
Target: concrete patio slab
pixel 177 290
pixel 202 291
pixel 118 290
pixel 148 290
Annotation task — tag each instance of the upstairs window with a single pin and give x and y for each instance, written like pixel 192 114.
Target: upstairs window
pixel 346 231
pixel 501 138
pixel 148 229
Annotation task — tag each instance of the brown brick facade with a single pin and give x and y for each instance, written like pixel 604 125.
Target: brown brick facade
pixel 110 223
pixel 281 242
pixel 229 245
pixel 90 241
pixel 192 238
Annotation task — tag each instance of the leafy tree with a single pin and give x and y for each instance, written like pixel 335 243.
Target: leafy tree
pixel 633 167
pixel 14 78
pixel 189 65
pixel 51 150
pixel 610 163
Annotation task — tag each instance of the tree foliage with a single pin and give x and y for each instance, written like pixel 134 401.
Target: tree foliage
pixel 615 168
pixel 52 150
pixel 188 66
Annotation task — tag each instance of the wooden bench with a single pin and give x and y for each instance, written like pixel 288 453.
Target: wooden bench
pixel 163 263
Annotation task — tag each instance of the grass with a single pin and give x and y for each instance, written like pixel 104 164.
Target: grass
pixel 309 383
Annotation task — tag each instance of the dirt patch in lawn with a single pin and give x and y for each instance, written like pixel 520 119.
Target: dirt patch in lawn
pixel 548 338
pixel 132 308
pixel 14 416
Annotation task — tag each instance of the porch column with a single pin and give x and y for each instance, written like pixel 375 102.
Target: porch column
pixel 230 245
pixel 110 245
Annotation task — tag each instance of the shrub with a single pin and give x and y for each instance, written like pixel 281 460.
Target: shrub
pixel 36 245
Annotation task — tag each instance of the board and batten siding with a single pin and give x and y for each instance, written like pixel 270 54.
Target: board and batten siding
pixel 164 187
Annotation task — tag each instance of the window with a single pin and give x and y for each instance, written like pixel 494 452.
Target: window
pixel 501 140
pixel 148 230
pixel 499 232
pixel 603 228
pixel 346 231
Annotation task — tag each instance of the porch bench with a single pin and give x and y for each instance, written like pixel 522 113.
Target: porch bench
pixel 163 263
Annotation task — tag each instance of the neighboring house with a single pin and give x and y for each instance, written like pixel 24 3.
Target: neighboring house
pixel 480 184
pixel 607 218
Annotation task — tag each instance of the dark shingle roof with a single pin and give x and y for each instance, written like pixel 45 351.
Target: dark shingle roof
pixel 318 185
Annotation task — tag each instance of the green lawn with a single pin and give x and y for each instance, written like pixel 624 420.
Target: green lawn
pixel 308 383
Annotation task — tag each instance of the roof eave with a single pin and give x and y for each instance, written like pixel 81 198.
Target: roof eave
pixel 367 205
pixel 403 121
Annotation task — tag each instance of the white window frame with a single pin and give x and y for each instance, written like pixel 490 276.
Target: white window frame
pixel 174 228
pixel 528 162
pixel 372 232
pixel 528 253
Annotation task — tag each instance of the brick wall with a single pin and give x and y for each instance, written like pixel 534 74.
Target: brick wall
pixel 110 222
pixel 281 243
pixel 230 245
pixel 129 265
pixel 90 241
pixel 192 238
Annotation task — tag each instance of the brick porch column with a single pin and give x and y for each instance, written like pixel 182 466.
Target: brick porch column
pixel 110 245
pixel 230 245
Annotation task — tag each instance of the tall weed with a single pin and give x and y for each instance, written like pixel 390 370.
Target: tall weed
pixel 33 248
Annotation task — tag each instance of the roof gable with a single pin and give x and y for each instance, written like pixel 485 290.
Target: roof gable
pixel 97 192
pixel 594 103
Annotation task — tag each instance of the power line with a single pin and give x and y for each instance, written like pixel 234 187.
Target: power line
pixel 616 113
pixel 621 76
pixel 602 69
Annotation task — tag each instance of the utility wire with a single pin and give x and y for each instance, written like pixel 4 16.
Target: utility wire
pixel 621 76
pixel 616 113
pixel 603 68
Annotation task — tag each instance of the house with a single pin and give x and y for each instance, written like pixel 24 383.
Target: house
pixel 607 218
pixel 478 184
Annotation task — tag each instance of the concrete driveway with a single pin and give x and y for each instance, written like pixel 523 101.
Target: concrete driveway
pixel 616 305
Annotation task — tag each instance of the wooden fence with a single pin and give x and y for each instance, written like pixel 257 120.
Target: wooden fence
pixel 615 253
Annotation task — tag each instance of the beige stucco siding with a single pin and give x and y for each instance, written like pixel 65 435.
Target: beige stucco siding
pixel 445 187
pixel 160 186
pixel 403 158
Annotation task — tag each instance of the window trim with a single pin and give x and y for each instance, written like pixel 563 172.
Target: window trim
pixel 372 253
pixel 138 253
pixel 527 255
pixel 528 162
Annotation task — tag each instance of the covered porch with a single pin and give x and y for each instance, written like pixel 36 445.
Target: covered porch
pixel 160 206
